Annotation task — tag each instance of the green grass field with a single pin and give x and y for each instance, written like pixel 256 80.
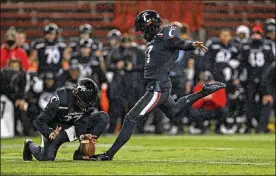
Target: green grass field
pixel 155 155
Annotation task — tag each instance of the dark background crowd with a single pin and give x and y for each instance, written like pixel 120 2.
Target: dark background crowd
pixel 31 70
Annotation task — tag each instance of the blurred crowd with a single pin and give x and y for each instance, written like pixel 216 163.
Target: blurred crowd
pixel 30 73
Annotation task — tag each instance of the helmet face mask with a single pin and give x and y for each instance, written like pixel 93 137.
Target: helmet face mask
pixel 86 94
pixel 83 105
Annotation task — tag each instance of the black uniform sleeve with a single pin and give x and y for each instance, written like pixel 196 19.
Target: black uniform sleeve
pixel 46 116
pixel 172 40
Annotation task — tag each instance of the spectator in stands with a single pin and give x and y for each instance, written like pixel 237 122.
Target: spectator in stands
pixel 85 32
pixel 209 107
pixel 91 64
pixel 13 85
pixel 182 76
pixel 69 77
pixel 10 50
pixel 116 67
pixel 134 75
pixel 49 87
pixel 242 35
pixel 256 57
pixel 21 41
pixel 269 90
pixel 269 29
pixel 49 52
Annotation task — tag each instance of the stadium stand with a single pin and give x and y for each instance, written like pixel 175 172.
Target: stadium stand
pixel 32 17
pixel 232 14
pixel 103 16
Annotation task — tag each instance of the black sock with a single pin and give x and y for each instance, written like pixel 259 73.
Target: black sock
pixel 122 138
pixel 187 101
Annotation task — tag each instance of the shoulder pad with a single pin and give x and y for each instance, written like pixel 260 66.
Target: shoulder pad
pixel 234 49
pixel 170 32
pixel 37 44
pixel 61 44
pixel 210 41
pixel 215 46
pixel 266 47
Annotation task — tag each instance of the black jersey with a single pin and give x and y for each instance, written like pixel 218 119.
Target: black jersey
pixel 162 52
pixel 60 111
pixel 49 55
pixel 256 58
pixel 221 60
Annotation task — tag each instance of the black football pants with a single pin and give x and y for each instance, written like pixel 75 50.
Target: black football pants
pixel 252 107
pixel 48 149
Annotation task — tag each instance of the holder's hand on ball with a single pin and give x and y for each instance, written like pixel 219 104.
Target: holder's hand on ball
pixel 93 138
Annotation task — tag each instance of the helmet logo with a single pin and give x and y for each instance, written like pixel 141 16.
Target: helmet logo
pixel 82 88
pixel 145 17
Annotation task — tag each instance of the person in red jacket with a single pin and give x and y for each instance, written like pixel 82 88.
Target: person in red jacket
pixel 209 107
pixel 9 50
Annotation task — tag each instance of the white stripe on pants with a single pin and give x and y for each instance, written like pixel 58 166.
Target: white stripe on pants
pixel 150 104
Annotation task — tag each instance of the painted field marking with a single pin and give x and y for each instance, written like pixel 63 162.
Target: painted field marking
pixel 59 159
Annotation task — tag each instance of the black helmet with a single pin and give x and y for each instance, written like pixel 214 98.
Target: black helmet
pixel 51 27
pixel 86 43
pixel 269 25
pixel 85 29
pixel 114 33
pixel 148 23
pixel 86 94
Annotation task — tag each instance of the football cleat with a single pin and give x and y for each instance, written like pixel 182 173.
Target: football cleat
pixel 27 154
pixel 209 88
pixel 100 157
pixel 77 155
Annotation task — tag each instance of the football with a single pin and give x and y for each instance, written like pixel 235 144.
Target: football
pixel 87 147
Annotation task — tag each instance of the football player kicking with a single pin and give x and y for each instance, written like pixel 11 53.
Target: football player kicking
pixel 69 112
pixel 162 51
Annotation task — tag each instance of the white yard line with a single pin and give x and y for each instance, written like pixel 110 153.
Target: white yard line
pixel 204 162
pixel 141 147
pixel 167 161
pixel 70 145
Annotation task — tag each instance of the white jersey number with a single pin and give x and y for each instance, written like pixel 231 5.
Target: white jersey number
pixel 223 57
pixel 256 59
pixel 53 55
pixel 148 54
